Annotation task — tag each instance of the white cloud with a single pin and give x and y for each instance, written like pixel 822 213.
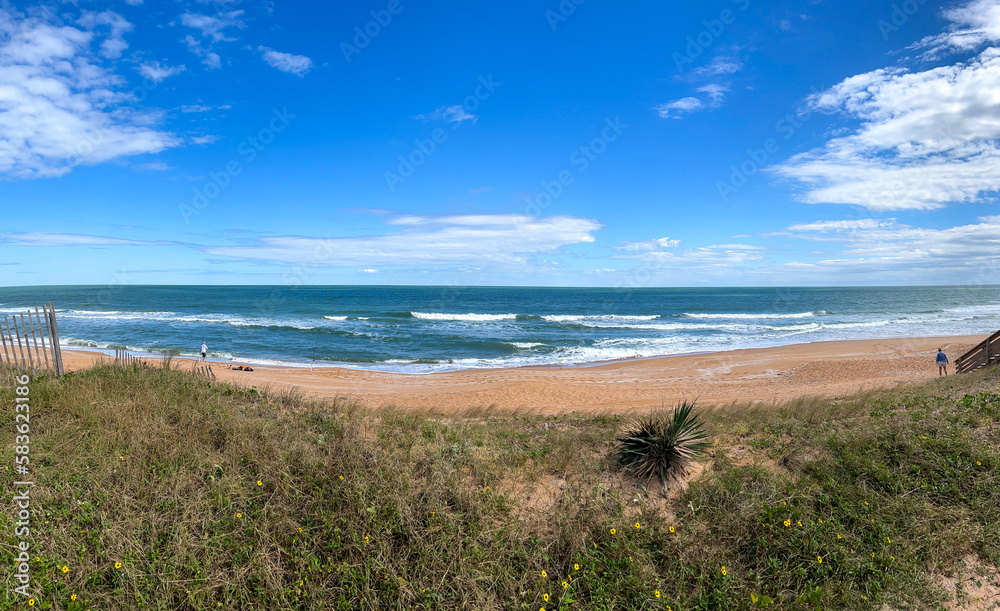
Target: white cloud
pixel 112 46
pixel 972 25
pixel 725 64
pixel 506 239
pixel 59 106
pixel 648 245
pixel 715 92
pixel 682 105
pixel 213 30
pixel 368 271
pixel 887 250
pixel 204 139
pixel 286 62
pixel 847 225
pixel 157 72
pixel 134 2
pixel 451 114
pixel 927 138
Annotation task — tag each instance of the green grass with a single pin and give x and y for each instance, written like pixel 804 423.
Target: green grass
pixel 158 471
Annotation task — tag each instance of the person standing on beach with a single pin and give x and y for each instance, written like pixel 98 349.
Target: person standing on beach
pixel 942 363
pixel 204 350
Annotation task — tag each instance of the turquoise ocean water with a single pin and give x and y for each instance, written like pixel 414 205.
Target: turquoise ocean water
pixel 422 329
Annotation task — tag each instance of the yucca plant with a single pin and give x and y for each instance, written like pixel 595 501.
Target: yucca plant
pixel 655 445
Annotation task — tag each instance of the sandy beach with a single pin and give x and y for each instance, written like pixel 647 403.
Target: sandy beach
pixel 765 374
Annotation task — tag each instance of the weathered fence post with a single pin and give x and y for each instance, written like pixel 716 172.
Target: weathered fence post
pixel 41 335
pixel 56 347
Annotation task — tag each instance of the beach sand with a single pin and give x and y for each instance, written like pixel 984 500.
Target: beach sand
pixel 752 375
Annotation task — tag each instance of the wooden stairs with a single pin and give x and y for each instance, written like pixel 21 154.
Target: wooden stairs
pixel 985 354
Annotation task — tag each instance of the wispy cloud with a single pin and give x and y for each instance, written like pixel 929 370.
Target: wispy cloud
pixel 506 239
pixel 72 239
pixel 451 114
pixel 673 110
pixel 286 62
pixel 157 72
pixel 213 30
pixel 61 107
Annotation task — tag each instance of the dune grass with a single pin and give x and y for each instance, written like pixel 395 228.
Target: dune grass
pixel 159 490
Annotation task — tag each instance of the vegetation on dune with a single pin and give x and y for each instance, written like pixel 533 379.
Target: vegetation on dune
pixel 663 446
pixel 158 490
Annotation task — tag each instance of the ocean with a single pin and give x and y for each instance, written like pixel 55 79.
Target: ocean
pixel 425 329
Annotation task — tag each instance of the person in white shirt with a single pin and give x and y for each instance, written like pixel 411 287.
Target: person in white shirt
pixel 204 350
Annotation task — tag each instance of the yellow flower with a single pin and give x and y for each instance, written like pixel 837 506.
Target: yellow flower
pixel 821 521
pixel 302 583
pixel 366 538
pixel 866 502
pixel 839 537
pixel 723 571
pixel 544 574
pixel 72 597
pixel 565 585
pixel 31 602
pixel 576 567
pixel 852 550
pixel 239 516
pixel 541 609
pixel 671 529
pixel 118 565
pixel 260 483
pixel 657 593
pixel 888 540
pixel 545 597
pixel 341 478
pixel 873 554
pixel 613 531
pixel 788 522
pixel 300 529
pixel 65 569
pixel 800 523
pixel 979 463
pixel 819 559
pixel 630 558
pixel 121 458
pixel 893 557
pixel 637 525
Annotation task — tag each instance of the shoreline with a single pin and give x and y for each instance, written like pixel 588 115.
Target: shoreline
pixel 825 368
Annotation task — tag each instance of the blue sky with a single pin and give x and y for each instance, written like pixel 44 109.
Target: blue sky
pixel 575 143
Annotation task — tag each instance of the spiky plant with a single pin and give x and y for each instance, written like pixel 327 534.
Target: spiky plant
pixel 655 445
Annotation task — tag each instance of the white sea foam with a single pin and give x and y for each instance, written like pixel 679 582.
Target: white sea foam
pixel 582 318
pixel 336 318
pixel 463 317
pixel 762 316
pixel 526 345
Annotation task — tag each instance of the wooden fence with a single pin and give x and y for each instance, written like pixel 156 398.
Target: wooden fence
pixel 122 357
pixel 985 354
pixel 30 341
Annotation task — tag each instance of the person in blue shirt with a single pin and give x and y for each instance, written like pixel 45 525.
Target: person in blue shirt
pixel 942 363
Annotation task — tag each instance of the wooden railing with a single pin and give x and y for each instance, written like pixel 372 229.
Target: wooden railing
pixel 983 355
